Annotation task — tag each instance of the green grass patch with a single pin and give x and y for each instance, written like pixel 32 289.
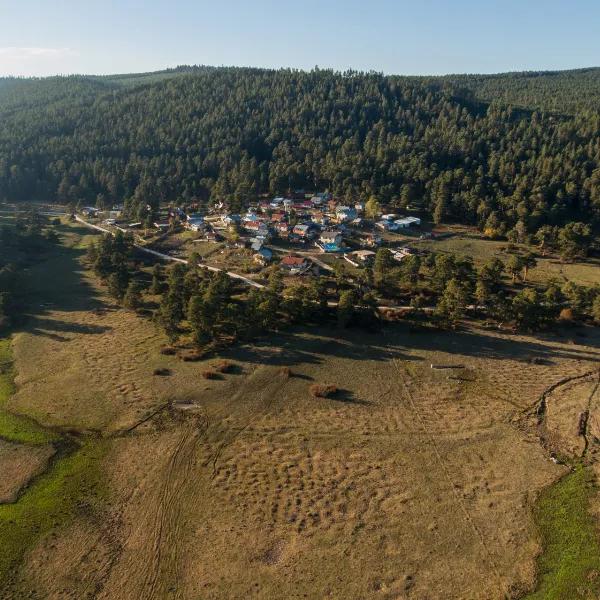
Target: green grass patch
pixel 52 501
pixel 16 428
pixel 569 566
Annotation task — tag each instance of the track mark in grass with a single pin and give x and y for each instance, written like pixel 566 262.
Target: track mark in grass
pixel 569 566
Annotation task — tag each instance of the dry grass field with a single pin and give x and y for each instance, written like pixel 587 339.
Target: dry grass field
pixel 481 250
pixel 411 482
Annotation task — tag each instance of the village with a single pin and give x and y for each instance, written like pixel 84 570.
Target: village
pixel 304 233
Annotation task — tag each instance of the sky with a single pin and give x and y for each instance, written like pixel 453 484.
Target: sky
pixel 411 37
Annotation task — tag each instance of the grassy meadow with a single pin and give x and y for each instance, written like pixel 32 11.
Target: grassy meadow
pixel 409 482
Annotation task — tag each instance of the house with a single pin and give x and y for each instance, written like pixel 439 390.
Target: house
pixel 276 202
pixel 282 230
pixel 263 256
pixel 191 216
pixel 161 225
pixel 360 257
pixel 304 231
pixel 331 237
pixel 195 224
pixel 359 207
pixel 345 213
pixel 390 217
pixel 212 236
pixel 365 256
pixel 386 225
pixel 401 254
pixel 304 206
pixel 258 228
pixel 330 241
pixel 295 265
pixel 89 211
pixel 320 218
pixel 256 244
pixel 278 217
pixel 229 220
pixel 321 197
pixel 372 240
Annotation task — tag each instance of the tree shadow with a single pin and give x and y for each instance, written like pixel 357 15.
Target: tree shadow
pixel 51 328
pixel 54 284
pixel 314 345
pixel 397 342
pixel 347 397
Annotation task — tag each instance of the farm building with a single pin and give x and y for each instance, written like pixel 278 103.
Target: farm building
pixel 407 222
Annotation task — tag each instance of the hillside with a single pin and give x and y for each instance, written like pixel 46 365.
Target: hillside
pixel 195 134
pixel 563 92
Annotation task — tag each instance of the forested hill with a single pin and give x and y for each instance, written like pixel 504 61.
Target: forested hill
pixel 476 149
pixel 567 92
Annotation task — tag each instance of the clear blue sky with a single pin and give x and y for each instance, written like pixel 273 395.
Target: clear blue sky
pixel 394 36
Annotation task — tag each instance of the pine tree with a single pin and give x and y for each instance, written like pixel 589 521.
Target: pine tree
pixel 133 296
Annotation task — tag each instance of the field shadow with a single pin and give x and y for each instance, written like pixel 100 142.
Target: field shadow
pixel 56 283
pixel 500 346
pixel 316 345
pixel 397 342
pixel 52 328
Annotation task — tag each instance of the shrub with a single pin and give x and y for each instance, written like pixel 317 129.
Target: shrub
pixel 320 390
pixel 162 372
pixel 209 374
pixel 566 315
pixel 190 355
pixel 224 366
pixel 285 372
pixel 168 350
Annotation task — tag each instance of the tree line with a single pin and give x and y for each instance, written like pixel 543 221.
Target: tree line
pixel 209 307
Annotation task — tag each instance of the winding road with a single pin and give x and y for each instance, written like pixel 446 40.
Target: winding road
pixel 163 256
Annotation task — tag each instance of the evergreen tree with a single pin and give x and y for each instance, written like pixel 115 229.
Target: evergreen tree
pixel 345 308
pixel 133 296
pixel 453 302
